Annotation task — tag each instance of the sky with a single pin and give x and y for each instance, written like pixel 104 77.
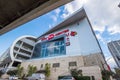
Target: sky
pixel 104 16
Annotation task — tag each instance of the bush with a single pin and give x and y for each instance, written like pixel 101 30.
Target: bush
pixel 12 72
pixel 47 69
pixel 106 74
pixel 82 77
pixel 31 69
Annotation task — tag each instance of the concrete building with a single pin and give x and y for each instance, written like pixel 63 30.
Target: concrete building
pixel 70 44
pixel 61 66
pixel 114 48
pixel 21 49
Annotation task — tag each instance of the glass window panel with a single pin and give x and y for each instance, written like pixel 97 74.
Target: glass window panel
pixel 52 48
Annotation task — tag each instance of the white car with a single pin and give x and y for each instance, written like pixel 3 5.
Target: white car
pixel 13 78
pixel 36 76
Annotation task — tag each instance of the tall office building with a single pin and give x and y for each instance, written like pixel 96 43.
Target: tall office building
pixel 114 47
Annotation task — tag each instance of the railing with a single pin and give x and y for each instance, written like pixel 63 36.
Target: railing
pixel 23 54
pixel 28 41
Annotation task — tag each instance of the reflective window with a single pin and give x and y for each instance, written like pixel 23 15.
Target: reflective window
pixel 51 48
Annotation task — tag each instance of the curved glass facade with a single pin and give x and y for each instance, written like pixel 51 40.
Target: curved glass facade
pixel 50 48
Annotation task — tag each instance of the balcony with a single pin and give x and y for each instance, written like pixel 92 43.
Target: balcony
pixel 30 42
pixel 20 57
pixel 26 49
pixel 23 54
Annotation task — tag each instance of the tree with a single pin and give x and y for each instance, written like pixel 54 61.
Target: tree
pixel 31 69
pixel 117 70
pixel 12 72
pixel 47 69
pixel 20 71
pixel 106 74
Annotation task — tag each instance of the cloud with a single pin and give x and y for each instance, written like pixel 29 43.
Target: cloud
pixel 57 11
pixel 114 29
pixel 72 7
pixel 99 28
pixel 100 38
pixel 54 18
pixel 55 14
pixel 105 14
pixel 100 12
pixel 50 26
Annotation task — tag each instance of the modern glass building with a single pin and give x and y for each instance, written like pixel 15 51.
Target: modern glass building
pixel 74 36
pixel 71 44
pixel 114 48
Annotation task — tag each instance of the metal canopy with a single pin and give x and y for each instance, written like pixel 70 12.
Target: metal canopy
pixel 16 12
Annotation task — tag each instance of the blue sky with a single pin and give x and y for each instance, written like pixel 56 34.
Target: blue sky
pixel 104 16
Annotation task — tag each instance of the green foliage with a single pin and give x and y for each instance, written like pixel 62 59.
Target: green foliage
pixel 117 70
pixel 117 74
pixel 75 72
pixel 12 72
pixel 20 71
pixel 106 74
pixel 47 69
pixel 31 69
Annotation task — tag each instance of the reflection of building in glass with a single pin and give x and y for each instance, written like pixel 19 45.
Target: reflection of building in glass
pixel 51 48
pixel 21 49
pixel 114 47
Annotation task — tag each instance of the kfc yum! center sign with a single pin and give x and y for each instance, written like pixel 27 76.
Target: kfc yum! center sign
pixel 66 32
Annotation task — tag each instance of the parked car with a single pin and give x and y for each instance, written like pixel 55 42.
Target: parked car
pixel 36 76
pixel 13 78
pixel 67 78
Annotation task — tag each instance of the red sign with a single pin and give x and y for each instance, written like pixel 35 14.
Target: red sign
pixel 62 32
pixel 50 36
pixel 66 32
pixel 73 33
pixel 43 38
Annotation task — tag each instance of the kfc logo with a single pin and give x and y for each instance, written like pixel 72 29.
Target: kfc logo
pixel 73 33
pixel 51 36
